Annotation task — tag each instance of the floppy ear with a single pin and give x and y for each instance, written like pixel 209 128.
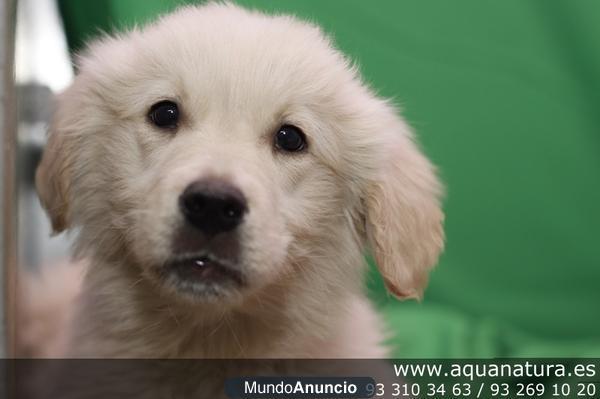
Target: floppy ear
pixel 403 215
pixel 52 178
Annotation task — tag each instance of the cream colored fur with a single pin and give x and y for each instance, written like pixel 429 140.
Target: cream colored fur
pixel 237 76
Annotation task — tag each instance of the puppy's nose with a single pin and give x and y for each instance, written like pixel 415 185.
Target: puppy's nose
pixel 213 206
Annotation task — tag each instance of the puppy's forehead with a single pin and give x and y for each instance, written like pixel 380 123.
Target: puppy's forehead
pixel 224 56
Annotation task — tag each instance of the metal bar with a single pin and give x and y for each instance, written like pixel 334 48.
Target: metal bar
pixel 8 234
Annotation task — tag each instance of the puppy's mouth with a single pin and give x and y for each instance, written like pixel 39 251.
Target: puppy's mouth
pixel 205 270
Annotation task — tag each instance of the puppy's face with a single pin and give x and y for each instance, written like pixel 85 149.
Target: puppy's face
pixel 221 151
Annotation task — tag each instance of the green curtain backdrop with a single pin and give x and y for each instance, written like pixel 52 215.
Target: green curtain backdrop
pixel 505 98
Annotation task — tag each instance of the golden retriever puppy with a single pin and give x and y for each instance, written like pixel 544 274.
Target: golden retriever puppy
pixel 225 171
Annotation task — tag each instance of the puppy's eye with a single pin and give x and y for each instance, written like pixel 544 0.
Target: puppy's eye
pixel 164 114
pixel 290 138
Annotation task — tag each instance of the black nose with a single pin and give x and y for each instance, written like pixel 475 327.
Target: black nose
pixel 213 206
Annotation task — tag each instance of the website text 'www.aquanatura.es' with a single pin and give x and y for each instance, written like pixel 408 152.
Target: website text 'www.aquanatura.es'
pixel 496 369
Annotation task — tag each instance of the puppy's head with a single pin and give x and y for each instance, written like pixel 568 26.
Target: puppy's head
pixel 221 151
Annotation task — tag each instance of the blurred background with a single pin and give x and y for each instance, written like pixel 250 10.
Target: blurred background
pixel 505 99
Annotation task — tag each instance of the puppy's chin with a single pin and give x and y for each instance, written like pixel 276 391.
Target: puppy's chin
pixel 202 278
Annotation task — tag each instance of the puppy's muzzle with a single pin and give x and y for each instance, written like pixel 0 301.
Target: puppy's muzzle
pixel 213 206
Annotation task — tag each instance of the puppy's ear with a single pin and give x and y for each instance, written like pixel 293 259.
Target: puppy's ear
pixel 403 214
pixel 52 178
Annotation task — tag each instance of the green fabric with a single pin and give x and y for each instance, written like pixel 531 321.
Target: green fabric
pixel 504 96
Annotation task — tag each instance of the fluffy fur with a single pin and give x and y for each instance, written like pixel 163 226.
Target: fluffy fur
pixel 237 76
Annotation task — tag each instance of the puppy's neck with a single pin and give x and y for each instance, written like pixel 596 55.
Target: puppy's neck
pixel 123 315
